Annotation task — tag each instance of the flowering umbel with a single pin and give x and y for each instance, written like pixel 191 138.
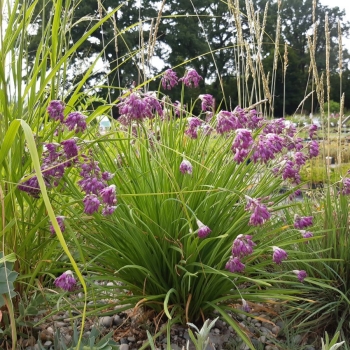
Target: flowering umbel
pixel 191 78
pixel 169 79
pixel 186 167
pixel 203 230
pixel 279 255
pixel 60 221
pixel 55 110
pixel 66 281
pixel 300 222
pixel 301 274
pixel 260 214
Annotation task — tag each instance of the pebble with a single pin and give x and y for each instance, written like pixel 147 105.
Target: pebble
pixel 275 330
pixel 117 320
pixel 124 347
pixel 131 339
pixel 47 344
pixel 106 321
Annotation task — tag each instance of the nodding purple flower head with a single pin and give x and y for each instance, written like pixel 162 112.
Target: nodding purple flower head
pixel 234 264
pixel 243 139
pixel 186 167
pixel 207 102
pixel 177 108
pixel 279 255
pixel 306 234
pixel 260 214
pixel 108 195
pixel 60 221
pixel 203 230
pixel 169 79
pixel 291 171
pixel 346 186
pixel 299 158
pixel 55 110
pixel 70 148
pixel 66 281
pixel 313 149
pixel 193 124
pixel 226 122
pixel 300 222
pixel 245 306
pixel 76 121
pixel 312 130
pixel 139 106
pixel 190 78
pixel 275 126
pixel 91 203
pixel 31 186
pixel 301 274
pixel 108 210
pixel 242 246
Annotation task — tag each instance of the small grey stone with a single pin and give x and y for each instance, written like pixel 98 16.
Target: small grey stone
pixel 296 339
pixel 264 331
pixel 124 347
pixel 117 320
pixel 216 331
pixel 275 330
pixel 131 339
pixel 186 335
pixel 280 324
pixel 47 344
pixel 50 330
pixel 106 321
pixel 60 324
pixel 258 324
pixel 175 347
pixel 241 316
pixel 262 338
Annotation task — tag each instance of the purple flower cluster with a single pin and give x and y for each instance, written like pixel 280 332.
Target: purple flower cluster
pixel 207 102
pixel 138 106
pixel 66 281
pixel 186 167
pixel 279 255
pixel 291 172
pixel 55 110
pixel 241 144
pixel 306 234
pixel 301 275
pixel 301 222
pixel 60 221
pixel 190 78
pixel 203 230
pixel 234 264
pixel 346 186
pixel 193 124
pixel 94 184
pixel 238 119
pixel 56 158
pixel 313 149
pixel 76 121
pixel 242 246
pixel 169 79
pixel 260 214
pixel 312 130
